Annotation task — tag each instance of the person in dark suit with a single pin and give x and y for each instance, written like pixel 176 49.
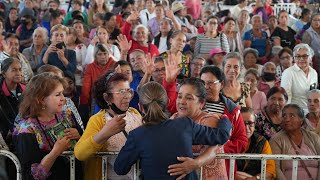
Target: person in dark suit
pixel 160 141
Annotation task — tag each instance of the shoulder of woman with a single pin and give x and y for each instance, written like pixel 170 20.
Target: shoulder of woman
pixel 135 112
pixel 24 126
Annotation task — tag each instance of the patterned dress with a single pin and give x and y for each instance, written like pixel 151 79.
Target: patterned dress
pixel 265 127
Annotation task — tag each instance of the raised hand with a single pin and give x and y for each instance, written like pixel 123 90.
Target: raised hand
pixel 134 16
pixel 172 66
pixel 123 43
pixel 182 169
pixel 149 67
pixel 169 13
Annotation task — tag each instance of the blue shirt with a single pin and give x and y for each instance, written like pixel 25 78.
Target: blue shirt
pixel 54 60
pixel 258 43
pixel 158 146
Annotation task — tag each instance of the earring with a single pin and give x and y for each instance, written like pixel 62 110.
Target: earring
pixel 43 107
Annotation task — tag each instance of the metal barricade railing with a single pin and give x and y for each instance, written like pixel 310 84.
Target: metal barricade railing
pixel 15 160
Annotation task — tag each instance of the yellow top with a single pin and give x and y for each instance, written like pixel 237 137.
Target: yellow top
pixel 87 147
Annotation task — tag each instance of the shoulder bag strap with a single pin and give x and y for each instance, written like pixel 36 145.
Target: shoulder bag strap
pixel 302 162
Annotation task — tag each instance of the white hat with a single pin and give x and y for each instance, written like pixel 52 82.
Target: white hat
pixel 177 6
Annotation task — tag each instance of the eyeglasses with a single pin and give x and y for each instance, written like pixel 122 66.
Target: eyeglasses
pixel 160 70
pixel 249 123
pixel 303 57
pixel 197 64
pixel 123 92
pixel 211 83
pixel 285 57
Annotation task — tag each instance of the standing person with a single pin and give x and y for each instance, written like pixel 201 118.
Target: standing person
pixel 211 39
pixel 268 122
pixel 301 77
pixel 107 130
pixel 65 59
pixel 41 109
pixel 12 22
pixel 148 13
pixel 98 6
pixel 284 32
pixel 153 101
pixel 233 36
pixel 32 53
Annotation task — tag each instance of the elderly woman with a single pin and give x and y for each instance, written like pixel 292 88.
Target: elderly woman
pixel 157 127
pixel 256 38
pixel 311 37
pixel 238 92
pixel 108 129
pixel 233 36
pixel 139 36
pixel 32 53
pixel 258 97
pixel 257 145
pixel 269 120
pixel 284 32
pixel 195 66
pixel 216 57
pixel 59 55
pixel 268 78
pixel 250 58
pixel 301 77
pixel 294 140
pixel 41 109
pixel 211 39
pixel 243 22
pixel 286 61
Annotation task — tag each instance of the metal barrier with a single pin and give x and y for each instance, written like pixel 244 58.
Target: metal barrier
pixel 16 161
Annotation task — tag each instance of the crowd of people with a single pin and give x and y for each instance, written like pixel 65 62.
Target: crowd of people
pixel 158 81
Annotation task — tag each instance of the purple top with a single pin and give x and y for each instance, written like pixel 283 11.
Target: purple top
pixel 154 26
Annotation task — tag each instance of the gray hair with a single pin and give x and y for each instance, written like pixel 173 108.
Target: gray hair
pixel 138 27
pixel 303 46
pixel 266 65
pixel 230 55
pixel 44 32
pixel 317 91
pixel 251 50
pixel 256 16
pixel 100 47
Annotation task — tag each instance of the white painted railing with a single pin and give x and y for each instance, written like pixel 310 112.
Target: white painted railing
pixel 16 161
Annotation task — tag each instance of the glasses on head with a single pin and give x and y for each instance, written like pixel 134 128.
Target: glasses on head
pixel 249 123
pixel 160 70
pixel 211 83
pixel 124 92
pixel 304 57
pixel 285 57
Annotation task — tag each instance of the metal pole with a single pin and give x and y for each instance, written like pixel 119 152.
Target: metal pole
pixel 16 161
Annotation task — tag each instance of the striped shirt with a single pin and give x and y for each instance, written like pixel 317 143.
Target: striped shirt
pixel 215 108
pixel 205 44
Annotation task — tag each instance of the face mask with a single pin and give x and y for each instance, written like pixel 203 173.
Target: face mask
pixel 116 109
pixel 24 21
pixel 269 76
pixel 51 10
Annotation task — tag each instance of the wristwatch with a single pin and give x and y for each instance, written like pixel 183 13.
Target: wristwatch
pixel 258 177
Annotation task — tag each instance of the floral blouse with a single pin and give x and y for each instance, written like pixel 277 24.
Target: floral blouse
pixel 265 127
pixel 245 92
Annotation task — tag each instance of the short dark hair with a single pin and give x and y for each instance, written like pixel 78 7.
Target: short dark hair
pixel 108 16
pixel 299 110
pixel 275 89
pixel 123 63
pixel 214 70
pixel 12 35
pixel 197 84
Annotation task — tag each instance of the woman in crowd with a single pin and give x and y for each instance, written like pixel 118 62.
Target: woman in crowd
pixel 236 91
pixel 286 61
pixel 102 37
pixel 257 145
pixel 256 38
pixel 211 39
pixel 41 109
pixel 12 22
pixel 98 6
pixel 10 96
pixel 269 120
pixel 74 43
pixel 195 66
pixel 102 63
pixel 154 23
pixel 216 57
pixel 2 33
pixel 139 36
pixel 233 36
pixel 155 157
pixel 11 49
pixel 284 32
pixel 162 40
pixel 98 20
pixel 108 129
pixel 301 77
pixel 32 53
pixel 63 58
pixel 243 22
pixel 250 59
pixel 268 78
pixel 190 102
pixel 311 37
pixel 110 24
pixel 81 32
pixel 258 98
pixel 294 140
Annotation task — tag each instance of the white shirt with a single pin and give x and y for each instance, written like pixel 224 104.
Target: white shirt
pixel 143 16
pixel 163 45
pixel 297 85
pixel 90 56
